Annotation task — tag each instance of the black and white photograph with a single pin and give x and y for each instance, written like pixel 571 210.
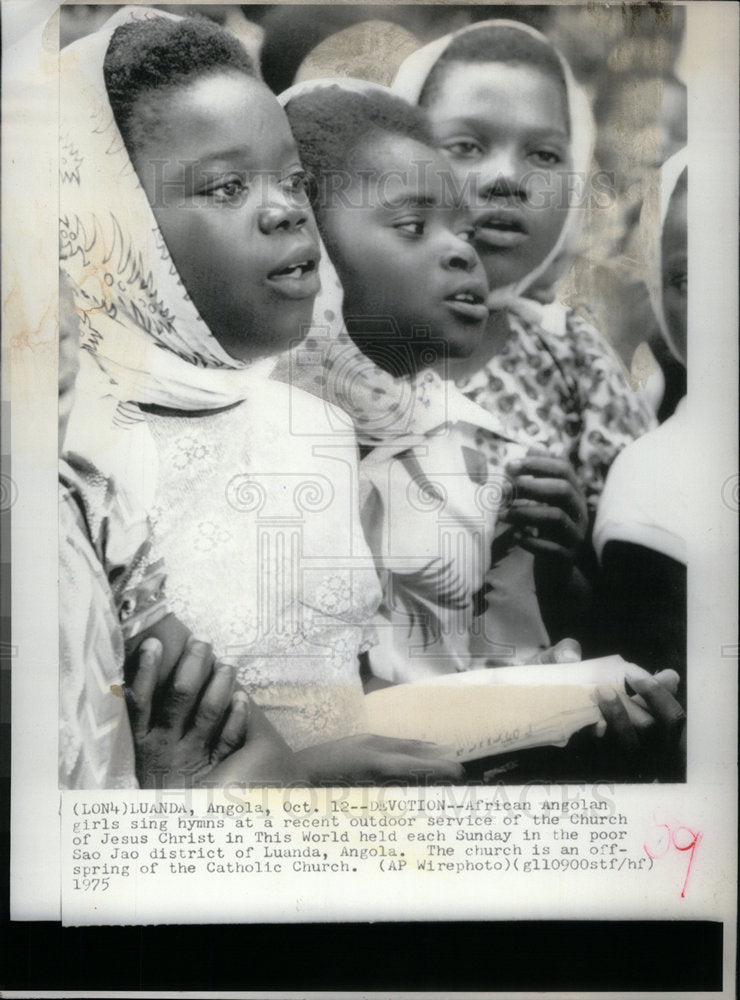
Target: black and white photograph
pixel 328 425
pixel 386 535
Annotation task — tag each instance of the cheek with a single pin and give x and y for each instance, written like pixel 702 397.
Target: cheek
pixel 674 304
pixel 206 248
pixel 548 189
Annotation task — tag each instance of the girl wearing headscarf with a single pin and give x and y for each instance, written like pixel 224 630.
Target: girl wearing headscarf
pixel 189 240
pixel 641 527
pixel 433 466
pixel 517 132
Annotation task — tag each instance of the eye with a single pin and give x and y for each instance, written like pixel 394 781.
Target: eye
pixel 298 183
pixel 226 189
pixel 463 149
pixel 412 227
pixel 546 157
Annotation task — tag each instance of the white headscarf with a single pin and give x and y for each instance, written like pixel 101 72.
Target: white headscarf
pixel 382 407
pixel 409 84
pixel 143 340
pixel 653 217
pixel 645 500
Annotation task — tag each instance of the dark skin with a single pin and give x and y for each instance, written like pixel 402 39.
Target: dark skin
pixel 646 624
pixel 652 744
pixel 193 727
pixel 551 520
pixel 642 738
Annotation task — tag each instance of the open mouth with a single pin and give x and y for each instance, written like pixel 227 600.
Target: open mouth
pixel 501 228
pixel 297 277
pixel 468 304
pixel 296 270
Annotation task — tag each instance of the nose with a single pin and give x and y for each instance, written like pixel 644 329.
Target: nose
pixel 459 255
pixel 281 211
pixel 501 176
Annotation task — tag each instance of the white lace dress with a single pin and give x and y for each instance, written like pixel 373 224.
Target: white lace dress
pixel 256 517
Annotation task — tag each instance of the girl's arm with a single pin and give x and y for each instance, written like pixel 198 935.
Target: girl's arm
pixel 642 608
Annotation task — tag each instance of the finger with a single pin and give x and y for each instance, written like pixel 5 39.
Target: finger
pixel 140 692
pixel 669 679
pixel 187 682
pixel 544 547
pixel 618 721
pixel 235 728
pixel 556 493
pixel 543 465
pixel 214 704
pixel 551 523
pixel 657 696
pixel 639 716
pixel 567 651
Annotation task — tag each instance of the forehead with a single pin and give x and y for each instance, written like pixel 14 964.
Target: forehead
pixel 405 169
pixel 220 110
pixel 500 92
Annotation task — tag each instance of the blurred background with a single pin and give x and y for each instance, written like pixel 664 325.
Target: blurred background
pixel 627 57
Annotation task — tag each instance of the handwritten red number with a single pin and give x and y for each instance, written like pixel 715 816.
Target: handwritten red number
pixel 671 839
pixel 690 846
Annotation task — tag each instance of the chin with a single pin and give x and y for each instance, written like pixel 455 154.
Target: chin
pixel 459 352
pixel 464 346
pixel 294 323
pixel 501 268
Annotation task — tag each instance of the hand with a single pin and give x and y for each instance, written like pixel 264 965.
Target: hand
pixel 377 759
pixel 549 510
pixel 195 730
pixel 565 651
pixel 648 730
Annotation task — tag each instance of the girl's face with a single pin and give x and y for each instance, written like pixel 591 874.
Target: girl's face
pixel 504 129
pixel 674 270
pixel 222 175
pixel 402 247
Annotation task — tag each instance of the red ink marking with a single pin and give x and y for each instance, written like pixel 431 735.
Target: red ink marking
pixel 665 839
pixel 670 839
pixel 691 846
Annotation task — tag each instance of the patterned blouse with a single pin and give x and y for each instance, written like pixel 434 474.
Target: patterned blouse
pixel 557 381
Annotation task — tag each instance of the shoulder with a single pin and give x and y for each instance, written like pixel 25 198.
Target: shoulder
pixel 586 340
pixel 305 413
pixel 566 334
pixel 644 496
pixel 602 379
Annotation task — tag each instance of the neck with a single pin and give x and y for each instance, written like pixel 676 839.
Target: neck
pixel 398 357
pixel 494 337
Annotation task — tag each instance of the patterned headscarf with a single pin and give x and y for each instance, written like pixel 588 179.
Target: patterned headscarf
pixel 142 338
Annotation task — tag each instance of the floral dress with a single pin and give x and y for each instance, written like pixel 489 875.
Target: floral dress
pixel 557 381
pixel 256 519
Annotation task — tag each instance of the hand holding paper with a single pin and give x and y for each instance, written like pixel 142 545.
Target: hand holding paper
pixel 485 712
